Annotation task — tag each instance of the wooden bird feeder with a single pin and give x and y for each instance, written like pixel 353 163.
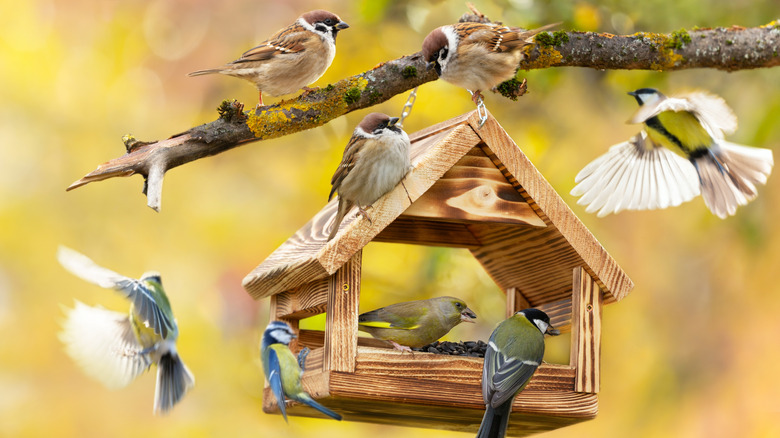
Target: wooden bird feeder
pixel 470 188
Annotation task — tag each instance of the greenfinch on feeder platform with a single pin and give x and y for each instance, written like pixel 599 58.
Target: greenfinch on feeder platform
pixel 414 324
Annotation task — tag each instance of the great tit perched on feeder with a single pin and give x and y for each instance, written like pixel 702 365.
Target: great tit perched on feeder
pixel 115 348
pixel 284 371
pixel 415 323
pixel 514 352
pixel 680 154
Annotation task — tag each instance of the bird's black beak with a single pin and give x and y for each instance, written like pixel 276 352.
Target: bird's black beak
pixel 433 65
pixel 467 315
pixel 341 25
pixel 552 331
pixel 632 93
pixel 392 122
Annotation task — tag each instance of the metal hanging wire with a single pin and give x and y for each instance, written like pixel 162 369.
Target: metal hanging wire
pixel 407 109
pixel 481 109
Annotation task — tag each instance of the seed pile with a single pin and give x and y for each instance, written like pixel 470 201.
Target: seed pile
pixel 468 348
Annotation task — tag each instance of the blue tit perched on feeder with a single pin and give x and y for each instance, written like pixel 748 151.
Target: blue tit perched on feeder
pixel 680 154
pixel 115 348
pixel 415 323
pixel 283 371
pixel 514 352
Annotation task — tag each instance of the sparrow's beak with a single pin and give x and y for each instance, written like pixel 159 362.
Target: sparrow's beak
pixel 341 25
pixel 467 315
pixel 552 331
pixel 392 122
pixel 429 65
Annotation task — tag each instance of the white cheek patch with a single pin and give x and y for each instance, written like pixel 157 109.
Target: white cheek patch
pixel 542 325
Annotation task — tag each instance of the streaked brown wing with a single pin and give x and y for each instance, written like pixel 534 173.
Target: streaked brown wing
pixel 347 163
pixel 287 40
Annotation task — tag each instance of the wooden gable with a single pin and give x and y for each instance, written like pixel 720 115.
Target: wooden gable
pixel 470 187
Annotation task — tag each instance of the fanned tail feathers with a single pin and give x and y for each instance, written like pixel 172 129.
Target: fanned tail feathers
pixel 729 174
pixel 173 381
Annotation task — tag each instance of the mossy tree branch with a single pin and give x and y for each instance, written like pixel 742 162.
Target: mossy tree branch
pixel 727 49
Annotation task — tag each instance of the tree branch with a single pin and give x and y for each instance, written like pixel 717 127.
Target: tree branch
pixel 728 49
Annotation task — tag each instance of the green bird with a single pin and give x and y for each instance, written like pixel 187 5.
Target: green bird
pixel 115 348
pixel 283 371
pixel 680 153
pixel 415 323
pixel 514 352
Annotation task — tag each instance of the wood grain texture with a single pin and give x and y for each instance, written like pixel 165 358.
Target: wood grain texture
pixel 302 302
pixel 559 313
pixel 586 332
pixel 474 190
pixel 342 317
pixel 428 232
pixel 515 302
pixel 573 233
pixel 309 256
pixel 316 338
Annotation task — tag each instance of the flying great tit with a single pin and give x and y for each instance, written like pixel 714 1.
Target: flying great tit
pixel 283 371
pixel 415 323
pixel 115 348
pixel 514 352
pixel 679 154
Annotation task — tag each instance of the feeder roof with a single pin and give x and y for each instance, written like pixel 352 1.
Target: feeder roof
pixel 472 188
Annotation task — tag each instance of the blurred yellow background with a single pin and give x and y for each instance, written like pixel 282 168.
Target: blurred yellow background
pixel 694 351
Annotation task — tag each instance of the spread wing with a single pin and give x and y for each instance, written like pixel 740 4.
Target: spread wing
pixel 134 290
pixel 636 175
pixel 502 377
pixel 287 40
pixel 102 342
pixel 347 163
pixel 712 111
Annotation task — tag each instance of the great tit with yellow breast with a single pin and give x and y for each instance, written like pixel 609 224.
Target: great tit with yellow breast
pixel 415 323
pixel 680 153
pixel 514 352
pixel 115 348
pixel 284 371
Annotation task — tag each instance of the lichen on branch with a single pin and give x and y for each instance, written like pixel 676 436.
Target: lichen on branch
pixel 727 49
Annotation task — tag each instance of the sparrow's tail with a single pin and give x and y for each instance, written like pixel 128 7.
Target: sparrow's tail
pixel 495 421
pixel 210 71
pixel 729 174
pixel 103 343
pixel 173 381
pixel 344 207
pixel 306 399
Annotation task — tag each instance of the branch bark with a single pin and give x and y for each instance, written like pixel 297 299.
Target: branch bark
pixel 726 49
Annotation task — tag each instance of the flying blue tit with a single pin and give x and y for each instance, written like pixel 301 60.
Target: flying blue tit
pixel 415 323
pixel 680 153
pixel 284 371
pixel 115 348
pixel 514 352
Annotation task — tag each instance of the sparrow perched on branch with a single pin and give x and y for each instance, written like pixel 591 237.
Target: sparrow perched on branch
pixel 415 323
pixel 375 160
pixel 115 348
pixel 283 371
pixel 291 59
pixel 514 352
pixel 477 56
pixel 678 155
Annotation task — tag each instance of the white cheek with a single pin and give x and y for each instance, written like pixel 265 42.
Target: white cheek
pixel 541 324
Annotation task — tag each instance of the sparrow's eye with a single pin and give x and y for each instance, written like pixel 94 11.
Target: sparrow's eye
pixel 329 21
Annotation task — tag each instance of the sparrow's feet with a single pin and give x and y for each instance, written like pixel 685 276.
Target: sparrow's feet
pixel 364 213
pixel 309 90
pixel 476 97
